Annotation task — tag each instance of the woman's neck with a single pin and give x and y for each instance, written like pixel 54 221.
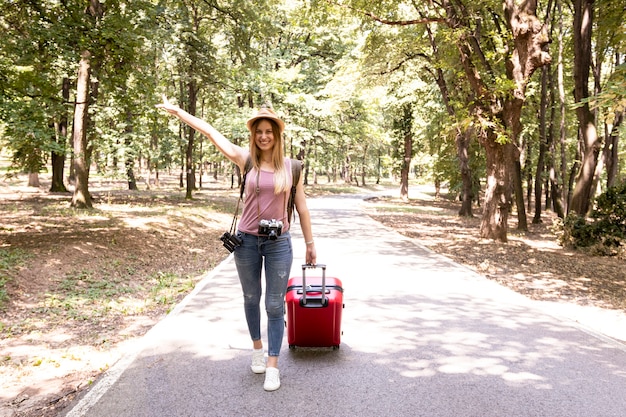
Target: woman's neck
pixel 266 158
pixel 265 162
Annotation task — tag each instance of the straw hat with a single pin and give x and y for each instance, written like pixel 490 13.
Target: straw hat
pixel 266 113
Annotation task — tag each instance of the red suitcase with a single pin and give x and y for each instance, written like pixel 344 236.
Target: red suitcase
pixel 314 315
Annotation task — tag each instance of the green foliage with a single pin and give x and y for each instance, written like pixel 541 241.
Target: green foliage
pixel 610 212
pixel 606 234
pixel 612 100
pixel 334 72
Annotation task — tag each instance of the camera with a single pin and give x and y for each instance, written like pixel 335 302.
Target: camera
pixel 230 242
pixel 272 228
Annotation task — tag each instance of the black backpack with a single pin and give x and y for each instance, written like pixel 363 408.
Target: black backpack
pixel 296 169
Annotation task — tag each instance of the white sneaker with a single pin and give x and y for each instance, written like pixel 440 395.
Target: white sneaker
pixel 258 361
pixel 272 379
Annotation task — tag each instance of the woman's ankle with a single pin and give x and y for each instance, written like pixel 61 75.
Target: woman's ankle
pixel 272 361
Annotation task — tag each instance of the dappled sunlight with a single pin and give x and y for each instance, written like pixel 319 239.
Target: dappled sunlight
pixel 399 351
pixel 531 263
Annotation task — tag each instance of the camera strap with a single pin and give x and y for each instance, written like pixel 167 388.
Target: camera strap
pixel 246 169
pixel 258 191
pixel 233 225
pixel 296 169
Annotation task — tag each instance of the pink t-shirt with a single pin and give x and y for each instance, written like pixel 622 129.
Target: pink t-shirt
pixel 265 204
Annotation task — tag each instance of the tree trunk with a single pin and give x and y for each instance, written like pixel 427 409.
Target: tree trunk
pixel 81 197
pixel 516 182
pixel 58 157
pixel 129 155
pixel 530 38
pixel 555 189
pixel 406 164
pixel 467 193
pixel 189 165
pixel 583 22
pixel 364 166
pixel 407 155
pixel 564 197
pixel 543 145
pixel 612 163
pixel 497 206
pixel 33 179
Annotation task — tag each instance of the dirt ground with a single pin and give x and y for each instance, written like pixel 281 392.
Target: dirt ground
pixel 89 282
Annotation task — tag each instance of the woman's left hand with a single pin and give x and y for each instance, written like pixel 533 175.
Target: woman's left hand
pixel 311 254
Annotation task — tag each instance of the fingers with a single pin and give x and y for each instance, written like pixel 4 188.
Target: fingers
pixel 311 257
pixel 167 106
pixel 166 103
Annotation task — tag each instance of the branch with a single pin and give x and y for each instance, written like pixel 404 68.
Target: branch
pixel 378 19
pixel 408 58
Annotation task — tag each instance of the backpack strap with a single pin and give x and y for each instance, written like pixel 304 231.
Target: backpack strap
pixel 296 169
pixel 247 167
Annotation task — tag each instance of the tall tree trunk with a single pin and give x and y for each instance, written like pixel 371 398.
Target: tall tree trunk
pixel 189 165
pixel 129 154
pixel 530 38
pixel 583 23
pixel 364 166
pixel 407 130
pixel 543 145
pixel 562 111
pixel 555 189
pixel 81 197
pixel 406 166
pixel 467 194
pixel 58 156
pixel 612 163
pixel 518 190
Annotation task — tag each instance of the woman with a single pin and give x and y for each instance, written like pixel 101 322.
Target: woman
pixel 267 191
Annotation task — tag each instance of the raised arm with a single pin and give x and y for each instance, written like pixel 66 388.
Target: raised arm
pixel 235 153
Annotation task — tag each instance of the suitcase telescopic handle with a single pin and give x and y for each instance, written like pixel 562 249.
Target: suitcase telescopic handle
pixel 313 266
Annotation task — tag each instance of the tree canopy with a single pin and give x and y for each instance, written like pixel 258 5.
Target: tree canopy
pixel 473 95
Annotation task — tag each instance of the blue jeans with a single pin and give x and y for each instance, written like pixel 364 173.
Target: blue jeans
pixel 278 256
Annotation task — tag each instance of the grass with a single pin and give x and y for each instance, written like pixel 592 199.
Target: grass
pixel 83 296
pixel 9 260
pixel 167 286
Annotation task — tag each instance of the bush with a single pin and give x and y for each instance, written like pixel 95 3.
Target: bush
pixel 610 212
pixel 605 234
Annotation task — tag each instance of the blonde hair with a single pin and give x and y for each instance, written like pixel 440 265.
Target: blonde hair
pixel 281 180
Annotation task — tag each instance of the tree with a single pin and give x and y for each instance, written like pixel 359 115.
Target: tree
pixel 583 24
pixel 465 67
pixel 496 104
pixel 58 155
pixel 29 101
pixel 81 197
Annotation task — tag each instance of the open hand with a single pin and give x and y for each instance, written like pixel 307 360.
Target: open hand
pixel 169 107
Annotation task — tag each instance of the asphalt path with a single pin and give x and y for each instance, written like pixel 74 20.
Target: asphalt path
pixel 422 336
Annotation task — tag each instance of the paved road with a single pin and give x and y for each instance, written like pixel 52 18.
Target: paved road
pixel 423 336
